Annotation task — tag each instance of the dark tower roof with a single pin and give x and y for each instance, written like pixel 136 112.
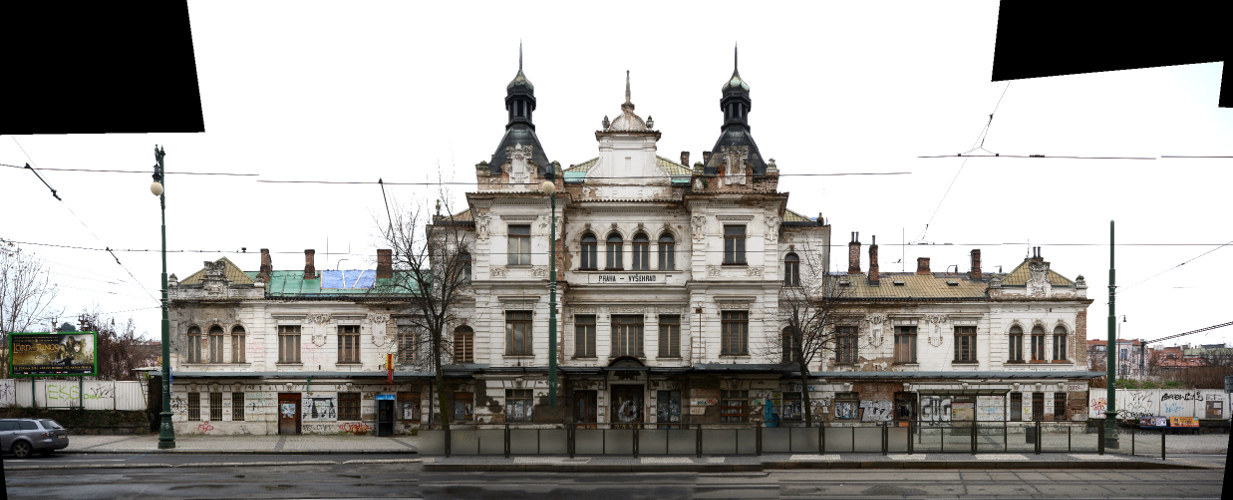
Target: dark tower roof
pixel 735 104
pixel 520 102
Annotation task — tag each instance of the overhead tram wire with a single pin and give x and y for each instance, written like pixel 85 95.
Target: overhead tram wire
pixel 1213 327
pixel 1192 259
pixel 143 172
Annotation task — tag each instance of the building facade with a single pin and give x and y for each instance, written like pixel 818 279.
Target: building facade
pixel 672 283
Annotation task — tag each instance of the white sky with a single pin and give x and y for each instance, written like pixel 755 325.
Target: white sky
pixel 358 91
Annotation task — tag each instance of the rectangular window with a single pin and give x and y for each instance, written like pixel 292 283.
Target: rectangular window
pixel 965 344
pixel 520 245
pixel 288 343
pixel 613 252
pixel 463 409
pixel 409 406
pixel 1122 355
pixel 792 409
pixel 237 407
pixel 407 344
pixel 626 335
pixel 847 406
pixel 787 345
pixel 194 406
pixel 1059 346
pixel 584 336
pixel 668 409
pixel 846 352
pixel 238 345
pixel 905 344
pixel 734 244
pixel 669 336
pixel 642 253
pixel 464 345
pixel 195 341
pixel 518 405
pixel 1059 406
pixel 588 252
pixel 348 406
pixel 1016 347
pixel 216 346
pixel 734 407
pixel 1038 346
pixel 1016 406
pixel 216 406
pixel 735 335
pixel 518 333
pixel 667 253
pixel 348 343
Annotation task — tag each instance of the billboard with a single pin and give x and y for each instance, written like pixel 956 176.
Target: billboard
pixel 67 354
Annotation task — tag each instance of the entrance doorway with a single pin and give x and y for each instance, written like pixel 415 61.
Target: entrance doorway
pixel 289 413
pixel 385 415
pixel 586 408
pixel 626 405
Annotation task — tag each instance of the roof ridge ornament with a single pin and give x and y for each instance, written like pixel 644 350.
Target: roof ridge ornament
pixel 627 102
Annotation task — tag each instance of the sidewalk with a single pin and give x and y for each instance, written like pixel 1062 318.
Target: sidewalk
pixel 307 444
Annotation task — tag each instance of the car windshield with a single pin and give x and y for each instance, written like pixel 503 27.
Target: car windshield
pixel 50 424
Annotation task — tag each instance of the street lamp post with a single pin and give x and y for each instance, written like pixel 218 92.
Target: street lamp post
pixel 166 432
pixel 549 188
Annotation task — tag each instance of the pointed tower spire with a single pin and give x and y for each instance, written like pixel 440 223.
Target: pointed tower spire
pixel 520 56
pixel 520 129
pixel 627 101
pixel 735 55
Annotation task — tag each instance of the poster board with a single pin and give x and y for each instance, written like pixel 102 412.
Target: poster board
pixel 63 354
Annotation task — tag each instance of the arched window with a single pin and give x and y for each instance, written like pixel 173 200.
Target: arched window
pixel 788 343
pixel 194 344
pixel 615 260
pixel 464 260
pixel 1059 343
pixel 1016 344
pixel 464 344
pixel 791 270
pixel 238 346
pixel 667 252
pixel 1038 343
pixel 589 244
pixel 216 344
pixel 642 252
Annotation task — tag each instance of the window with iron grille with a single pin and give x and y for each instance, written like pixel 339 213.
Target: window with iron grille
pixel 642 252
pixel 905 344
pixel 194 344
pixel 792 270
pixel 847 406
pixel 589 253
pixel 216 344
pixel 965 344
pixel 520 245
pixel 238 346
pixel 1059 406
pixel 348 343
pixel 626 335
pixel 669 336
pixel 734 407
pixel 1016 344
pixel 464 344
pixel 518 405
pixel 667 252
pixel 194 406
pixel 288 343
pixel 846 347
pixel 735 335
pixel 216 406
pixel 734 244
pixel 584 336
pixel 408 344
pixel 1016 406
pixel 788 347
pixel 237 407
pixel 1059 343
pixel 348 406
pixel 518 333
pixel 1038 343
pixel 615 259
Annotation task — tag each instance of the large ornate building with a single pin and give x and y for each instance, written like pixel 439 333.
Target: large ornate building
pixel 671 280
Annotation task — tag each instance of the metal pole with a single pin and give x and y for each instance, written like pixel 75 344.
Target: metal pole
pixel 552 304
pixel 1110 358
pixel 166 432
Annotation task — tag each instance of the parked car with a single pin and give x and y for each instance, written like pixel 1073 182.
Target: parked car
pixel 24 436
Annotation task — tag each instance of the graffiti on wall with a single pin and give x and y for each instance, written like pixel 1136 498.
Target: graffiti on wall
pixel 845 410
pixel 317 409
pixel 875 411
pixel 935 409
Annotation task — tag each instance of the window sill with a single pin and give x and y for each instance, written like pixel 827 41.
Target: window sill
pixel 736 264
pixel 289 363
pixel 957 362
pixel 527 356
pixel 1062 362
pixel 611 269
pixel 673 358
pixel 1016 362
pixel 582 357
pixel 350 363
pixel 735 355
pixel 641 357
pixel 910 365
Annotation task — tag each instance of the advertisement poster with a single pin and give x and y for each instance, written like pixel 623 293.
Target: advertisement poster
pixel 68 354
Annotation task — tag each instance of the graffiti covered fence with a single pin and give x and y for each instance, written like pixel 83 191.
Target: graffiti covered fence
pixel 1133 404
pixel 68 393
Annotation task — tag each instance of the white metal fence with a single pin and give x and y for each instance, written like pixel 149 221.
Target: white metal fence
pixel 1137 403
pixel 69 393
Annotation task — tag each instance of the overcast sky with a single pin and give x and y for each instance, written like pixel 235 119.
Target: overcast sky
pixel 398 90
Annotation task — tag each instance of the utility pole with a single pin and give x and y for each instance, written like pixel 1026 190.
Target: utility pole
pixel 166 432
pixel 1111 360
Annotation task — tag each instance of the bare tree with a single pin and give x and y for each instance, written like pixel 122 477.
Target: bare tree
pixel 26 290
pixel 810 307
pixel 120 350
pixel 431 273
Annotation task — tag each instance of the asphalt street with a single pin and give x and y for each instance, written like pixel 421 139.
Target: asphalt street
pixel 398 476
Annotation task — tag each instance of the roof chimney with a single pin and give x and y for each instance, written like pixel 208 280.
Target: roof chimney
pixel 922 265
pixel 976 264
pixel 267 265
pixel 685 158
pixel 873 261
pixel 310 264
pixel 385 267
pixel 854 254
pixel 706 157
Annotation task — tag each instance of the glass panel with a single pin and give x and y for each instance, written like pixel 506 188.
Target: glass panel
pixel 897 439
pixel 464 442
pixel 524 441
pixel 589 441
pixel 491 441
pixel 719 441
pixel 804 439
pixel 868 439
pixel 747 441
pixel 838 439
pixel 682 442
pixel 431 442
pixel 553 442
pixel 619 442
pixel 777 440
pixel 653 442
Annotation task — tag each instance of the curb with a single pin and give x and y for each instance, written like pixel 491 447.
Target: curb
pixel 333 451
pixel 212 464
pixel 783 465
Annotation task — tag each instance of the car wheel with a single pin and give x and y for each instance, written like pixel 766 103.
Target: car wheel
pixel 21 449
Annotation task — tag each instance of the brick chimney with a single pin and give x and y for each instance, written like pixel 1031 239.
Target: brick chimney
pixel 706 157
pixel 310 264
pixel 685 158
pixel 267 265
pixel 873 262
pixel 922 265
pixel 976 264
pixel 854 254
pixel 385 263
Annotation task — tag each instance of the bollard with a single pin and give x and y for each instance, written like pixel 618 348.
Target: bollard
pixel 758 440
pixel 1037 437
pixel 821 438
pixel 974 429
pixel 507 440
pixel 1100 439
pixel 885 439
pixel 911 447
pixel 699 440
pixel 447 441
pixel 1068 428
pixel 636 427
pixel 1162 444
pixel 570 438
pixel 1132 440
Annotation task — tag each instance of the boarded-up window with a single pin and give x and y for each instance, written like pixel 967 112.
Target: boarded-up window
pixel 348 406
pixel 518 405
